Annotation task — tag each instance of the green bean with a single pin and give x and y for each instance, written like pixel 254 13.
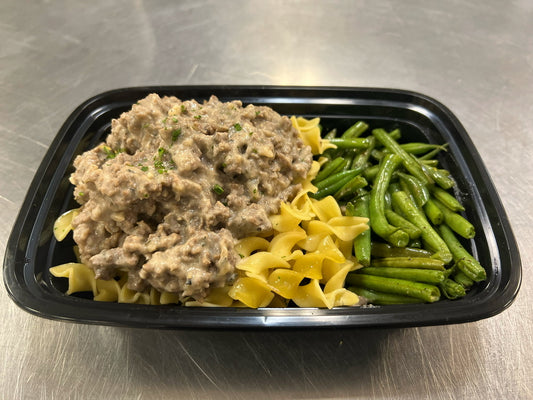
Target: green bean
pixel 408 162
pixel 395 134
pixel 463 259
pixel 447 199
pixel 418 148
pixel 362 158
pixel 462 279
pixel 377 154
pixel 451 289
pixel 423 291
pixel 355 130
pixel 386 250
pixel 430 163
pixel 370 173
pixel 331 134
pixel 433 212
pixel 400 222
pixel 394 187
pixel 440 176
pixel 409 262
pixel 410 274
pixel 324 191
pixel 350 143
pixel 456 222
pixel 349 155
pixel 405 188
pixel 378 221
pixel 388 204
pixel 350 187
pixel 362 243
pixel 432 239
pixel 382 299
pixel 360 192
pixel 433 153
pixel 335 178
pixel 330 168
pixel 418 189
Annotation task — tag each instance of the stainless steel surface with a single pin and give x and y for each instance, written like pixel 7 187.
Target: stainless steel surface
pixel 476 57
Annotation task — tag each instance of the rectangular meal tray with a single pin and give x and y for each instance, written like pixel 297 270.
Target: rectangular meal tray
pixel 32 249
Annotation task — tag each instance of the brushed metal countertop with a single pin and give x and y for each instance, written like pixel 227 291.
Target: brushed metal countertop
pixel 475 57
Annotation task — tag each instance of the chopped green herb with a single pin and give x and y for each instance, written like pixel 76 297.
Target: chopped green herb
pixel 251 133
pixel 162 163
pixel 144 168
pixel 174 119
pixel 164 120
pixel 218 189
pixel 254 150
pixel 257 113
pixel 81 194
pixel 175 134
pixel 241 255
pixel 110 153
pixel 146 125
pixel 237 127
pixel 146 195
pixel 224 165
pixel 198 116
pixel 183 109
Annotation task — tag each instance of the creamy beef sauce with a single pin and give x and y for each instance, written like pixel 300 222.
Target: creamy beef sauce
pixel 176 184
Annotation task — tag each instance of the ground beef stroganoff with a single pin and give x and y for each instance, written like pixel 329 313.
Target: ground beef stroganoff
pixel 176 183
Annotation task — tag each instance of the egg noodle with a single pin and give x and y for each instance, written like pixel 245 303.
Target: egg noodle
pixel 305 259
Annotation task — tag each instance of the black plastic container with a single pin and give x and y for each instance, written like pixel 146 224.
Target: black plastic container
pixel 32 249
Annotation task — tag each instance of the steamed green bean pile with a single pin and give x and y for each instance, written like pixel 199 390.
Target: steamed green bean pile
pixel 413 251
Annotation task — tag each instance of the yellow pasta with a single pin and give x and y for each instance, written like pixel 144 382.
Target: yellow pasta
pixel 345 228
pixel 285 282
pixel 80 277
pixel 261 261
pixel 310 265
pixel 311 295
pixel 320 250
pixel 107 290
pixel 63 225
pixel 342 297
pixel 283 243
pixel 310 132
pixel 252 292
pixel 247 246
pixel 326 209
pixel 307 185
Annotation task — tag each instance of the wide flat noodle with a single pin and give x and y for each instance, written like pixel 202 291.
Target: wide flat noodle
pixel 316 245
pixel 310 133
pixel 63 225
pixel 80 277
